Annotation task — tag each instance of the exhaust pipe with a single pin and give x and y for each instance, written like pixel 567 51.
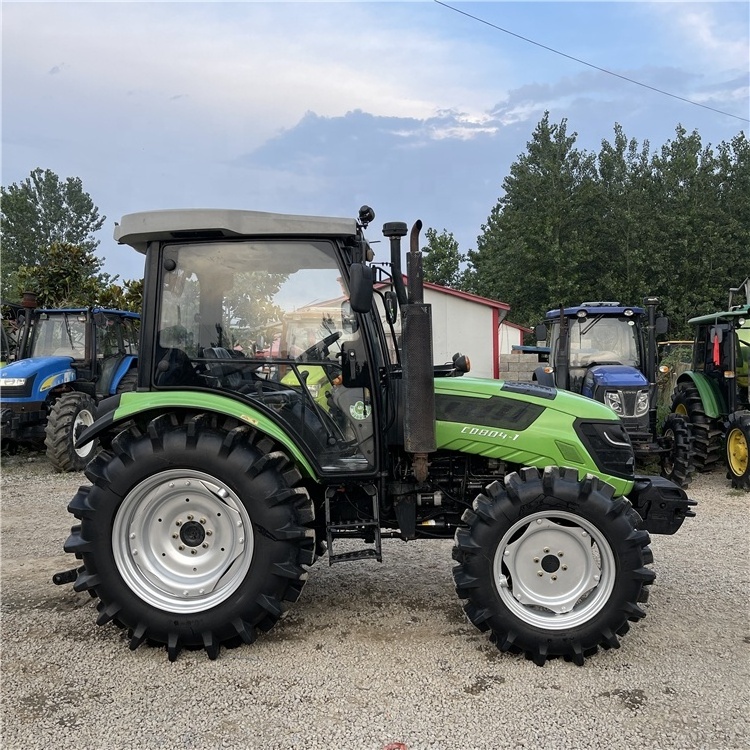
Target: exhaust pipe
pixel 395 230
pixel 419 373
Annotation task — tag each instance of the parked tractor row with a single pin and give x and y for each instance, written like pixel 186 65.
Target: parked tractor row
pixel 66 361
pixel 607 351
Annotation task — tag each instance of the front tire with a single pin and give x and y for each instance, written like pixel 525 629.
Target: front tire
pixel 69 416
pixel 192 535
pixel 551 565
pixel 737 442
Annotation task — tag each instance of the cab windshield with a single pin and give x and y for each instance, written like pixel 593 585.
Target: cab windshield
pixel 599 339
pixel 271 322
pixel 58 335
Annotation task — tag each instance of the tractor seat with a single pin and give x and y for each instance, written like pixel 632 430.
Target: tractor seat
pixel 228 376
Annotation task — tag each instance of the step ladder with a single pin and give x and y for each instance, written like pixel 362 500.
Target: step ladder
pixel 354 530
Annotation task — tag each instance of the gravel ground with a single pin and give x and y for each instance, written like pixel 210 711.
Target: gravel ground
pixel 373 654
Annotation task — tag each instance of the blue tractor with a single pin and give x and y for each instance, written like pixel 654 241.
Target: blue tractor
pixel 67 361
pixel 607 352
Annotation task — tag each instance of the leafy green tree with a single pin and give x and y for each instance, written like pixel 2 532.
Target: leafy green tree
pixel 128 296
pixel 619 225
pixel 533 249
pixel 69 276
pixel 39 211
pixel 442 262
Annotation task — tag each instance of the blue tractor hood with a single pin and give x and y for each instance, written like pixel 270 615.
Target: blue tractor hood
pixel 44 372
pixel 612 376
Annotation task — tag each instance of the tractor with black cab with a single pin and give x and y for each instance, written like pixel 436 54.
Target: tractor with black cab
pixel 279 418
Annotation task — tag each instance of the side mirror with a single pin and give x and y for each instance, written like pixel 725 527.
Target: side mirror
pixel 360 287
pixel 540 332
pixel 662 325
pixel 390 302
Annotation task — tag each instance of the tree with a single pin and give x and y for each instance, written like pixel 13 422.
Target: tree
pixel 69 276
pixel 620 225
pixel 532 253
pixel 442 261
pixel 38 212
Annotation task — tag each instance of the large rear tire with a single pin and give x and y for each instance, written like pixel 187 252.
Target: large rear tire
pixel 677 463
pixel 707 432
pixel 69 416
pixel 128 382
pixel 737 443
pixel 551 565
pixel 192 535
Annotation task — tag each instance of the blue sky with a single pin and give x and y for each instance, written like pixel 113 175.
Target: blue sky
pixel 318 107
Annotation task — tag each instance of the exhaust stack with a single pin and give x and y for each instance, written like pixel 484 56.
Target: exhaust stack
pixel 419 375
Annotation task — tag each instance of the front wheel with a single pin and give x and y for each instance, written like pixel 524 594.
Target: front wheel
pixel 552 565
pixel 193 535
pixel 737 442
pixel 69 416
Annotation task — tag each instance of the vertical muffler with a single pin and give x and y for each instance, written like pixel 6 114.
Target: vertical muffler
pixel 419 374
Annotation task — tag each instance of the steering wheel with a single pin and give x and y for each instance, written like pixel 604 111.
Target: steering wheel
pixel 319 350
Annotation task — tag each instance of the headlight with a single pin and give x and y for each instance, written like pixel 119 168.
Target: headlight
pixel 641 404
pixel 613 401
pixel 12 382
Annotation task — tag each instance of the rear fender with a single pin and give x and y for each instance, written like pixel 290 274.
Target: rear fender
pixel 711 397
pixel 122 369
pixel 117 410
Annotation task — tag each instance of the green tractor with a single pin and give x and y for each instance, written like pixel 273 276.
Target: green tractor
pixel 714 396
pixel 251 447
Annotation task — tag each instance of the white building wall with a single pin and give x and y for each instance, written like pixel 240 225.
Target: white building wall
pixel 509 336
pixel 460 325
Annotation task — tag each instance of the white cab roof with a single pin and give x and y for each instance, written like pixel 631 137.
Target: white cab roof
pixel 138 229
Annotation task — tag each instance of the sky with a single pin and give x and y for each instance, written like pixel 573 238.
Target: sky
pixel 417 109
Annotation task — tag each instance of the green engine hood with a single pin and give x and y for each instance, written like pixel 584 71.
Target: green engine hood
pixel 529 425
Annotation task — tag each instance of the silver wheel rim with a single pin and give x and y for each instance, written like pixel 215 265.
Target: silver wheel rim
pixel 82 420
pixel 182 541
pixel 554 570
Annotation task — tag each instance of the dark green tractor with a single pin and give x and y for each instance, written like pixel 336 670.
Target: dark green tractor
pixel 714 394
pixel 288 407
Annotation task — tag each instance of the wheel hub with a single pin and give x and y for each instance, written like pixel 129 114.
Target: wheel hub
pixel 182 541
pixel 554 570
pixel 192 534
pixel 737 452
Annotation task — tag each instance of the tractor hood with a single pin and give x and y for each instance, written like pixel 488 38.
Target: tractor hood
pixel 39 373
pixel 613 376
pixel 533 425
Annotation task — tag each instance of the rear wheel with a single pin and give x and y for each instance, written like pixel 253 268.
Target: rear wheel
pixel 707 432
pixel 677 464
pixel 737 442
pixel 192 535
pixel 69 416
pixel 128 382
pixel 551 565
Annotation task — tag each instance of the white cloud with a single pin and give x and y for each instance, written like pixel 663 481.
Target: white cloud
pixel 708 37
pixel 244 69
